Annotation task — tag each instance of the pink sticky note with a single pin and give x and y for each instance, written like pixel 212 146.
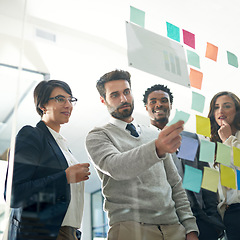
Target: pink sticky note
pixel 211 52
pixel 189 38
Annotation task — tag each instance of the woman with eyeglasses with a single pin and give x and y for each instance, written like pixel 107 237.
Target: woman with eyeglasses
pixel 48 182
pixel 224 114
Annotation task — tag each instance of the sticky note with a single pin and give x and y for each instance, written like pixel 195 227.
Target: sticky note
pixel 238 179
pixel 223 154
pixel 189 38
pixel 207 151
pixel 196 78
pixel 236 156
pixel 137 16
pixel 173 32
pixel 188 148
pixel 232 59
pixel 203 126
pixel 193 59
pixel 179 115
pixel 211 52
pixel 210 179
pixel 228 177
pixel 198 101
pixel 192 179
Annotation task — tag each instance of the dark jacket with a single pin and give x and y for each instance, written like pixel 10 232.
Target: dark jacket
pixel 40 192
pixel 203 204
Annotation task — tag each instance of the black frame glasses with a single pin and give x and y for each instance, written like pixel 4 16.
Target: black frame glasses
pixel 62 100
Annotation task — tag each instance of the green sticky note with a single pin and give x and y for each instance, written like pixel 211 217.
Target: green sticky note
pixel 228 177
pixel 232 59
pixel 203 126
pixel 193 59
pixel 236 156
pixel 179 115
pixel 207 151
pixel 192 179
pixel 223 154
pixel 198 101
pixel 137 16
pixel 173 32
pixel 210 179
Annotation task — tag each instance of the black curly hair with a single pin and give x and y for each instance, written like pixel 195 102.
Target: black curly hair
pixel 157 87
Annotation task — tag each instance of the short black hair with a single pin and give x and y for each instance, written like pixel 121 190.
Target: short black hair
pixel 112 76
pixel 157 87
pixel 43 91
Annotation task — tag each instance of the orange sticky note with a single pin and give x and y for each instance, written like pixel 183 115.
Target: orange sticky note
pixel 211 51
pixel 210 179
pixel 196 78
pixel 228 177
pixel 236 156
pixel 203 126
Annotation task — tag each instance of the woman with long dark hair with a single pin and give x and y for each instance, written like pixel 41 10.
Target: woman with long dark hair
pixel 224 114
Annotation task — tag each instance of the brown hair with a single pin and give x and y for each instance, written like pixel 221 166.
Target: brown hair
pixel 43 91
pixel 112 76
pixel 214 126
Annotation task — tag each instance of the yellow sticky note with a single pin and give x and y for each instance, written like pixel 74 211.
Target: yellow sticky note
pixel 236 156
pixel 210 179
pixel 228 177
pixel 203 126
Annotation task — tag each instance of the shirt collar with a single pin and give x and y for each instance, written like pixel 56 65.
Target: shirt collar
pixel 121 124
pixel 55 134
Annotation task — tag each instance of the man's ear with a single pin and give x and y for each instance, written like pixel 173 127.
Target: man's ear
pixel 170 107
pixel 102 100
pixel 146 107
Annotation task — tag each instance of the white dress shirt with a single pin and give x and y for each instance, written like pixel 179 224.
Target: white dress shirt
pixel 73 217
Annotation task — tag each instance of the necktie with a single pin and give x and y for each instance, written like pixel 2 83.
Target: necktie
pixel 132 130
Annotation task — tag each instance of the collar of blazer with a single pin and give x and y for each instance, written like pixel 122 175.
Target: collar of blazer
pixel 63 162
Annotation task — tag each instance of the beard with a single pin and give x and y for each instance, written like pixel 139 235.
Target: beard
pixel 161 119
pixel 121 114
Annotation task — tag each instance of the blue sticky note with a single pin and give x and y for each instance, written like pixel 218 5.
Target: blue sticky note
pixel 207 151
pixel 179 115
pixel 173 32
pixel 192 179
pixel 238 179
pixel 193 59
pixel 137 16
pixel 198 101
pixel 188 148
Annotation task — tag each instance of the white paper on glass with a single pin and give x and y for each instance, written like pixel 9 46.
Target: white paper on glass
pixel 157 55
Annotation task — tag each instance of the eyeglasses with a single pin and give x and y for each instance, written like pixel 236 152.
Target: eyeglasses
pixel 62 100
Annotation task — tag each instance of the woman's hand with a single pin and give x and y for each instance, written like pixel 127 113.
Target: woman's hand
pixel 78 173
pixel 224 131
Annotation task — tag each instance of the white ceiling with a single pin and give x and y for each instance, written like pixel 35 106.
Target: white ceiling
pixel 91 40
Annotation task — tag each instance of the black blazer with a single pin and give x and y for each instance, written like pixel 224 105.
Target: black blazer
pixel 40 192
pixel 203 204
